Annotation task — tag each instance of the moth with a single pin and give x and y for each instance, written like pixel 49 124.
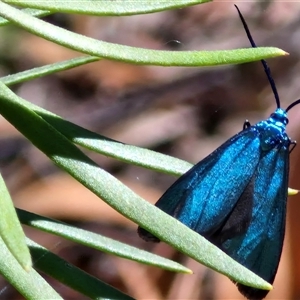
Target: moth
pixel 236 197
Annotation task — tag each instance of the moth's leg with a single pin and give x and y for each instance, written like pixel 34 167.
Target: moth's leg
pixel 246 125
pixel 294 144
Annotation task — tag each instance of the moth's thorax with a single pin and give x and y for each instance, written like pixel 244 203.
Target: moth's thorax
pixel 273 130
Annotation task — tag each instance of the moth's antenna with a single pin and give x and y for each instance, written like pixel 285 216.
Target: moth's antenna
pixel 266 68
pixel 292 105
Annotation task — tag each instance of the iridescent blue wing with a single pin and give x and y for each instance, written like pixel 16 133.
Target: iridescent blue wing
pixel 236 198
pixel 203 197
pixel 259 249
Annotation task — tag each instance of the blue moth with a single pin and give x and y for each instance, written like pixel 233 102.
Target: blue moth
pixel 236 196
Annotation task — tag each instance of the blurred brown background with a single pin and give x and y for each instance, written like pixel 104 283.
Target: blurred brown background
pixel 184 112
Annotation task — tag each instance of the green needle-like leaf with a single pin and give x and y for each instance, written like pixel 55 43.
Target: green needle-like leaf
pixel 47 69
pixel 106 8
pixel 33 12
pixel 131 54
pixel 98 242
pixel 72 276
pixel 11 231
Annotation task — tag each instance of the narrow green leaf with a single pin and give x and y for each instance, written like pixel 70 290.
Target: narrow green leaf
pixel 131 54
pixel 72 276
pixel 47 69
pixel 106 8
pixel 292 192
pixel 11 230
pixel 68 157
pixel 127 153
pixel 98 241
pixel 30 284
pixel 123 152
pixel 33 12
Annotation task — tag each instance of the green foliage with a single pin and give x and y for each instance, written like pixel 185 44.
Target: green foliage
pixel 57 138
